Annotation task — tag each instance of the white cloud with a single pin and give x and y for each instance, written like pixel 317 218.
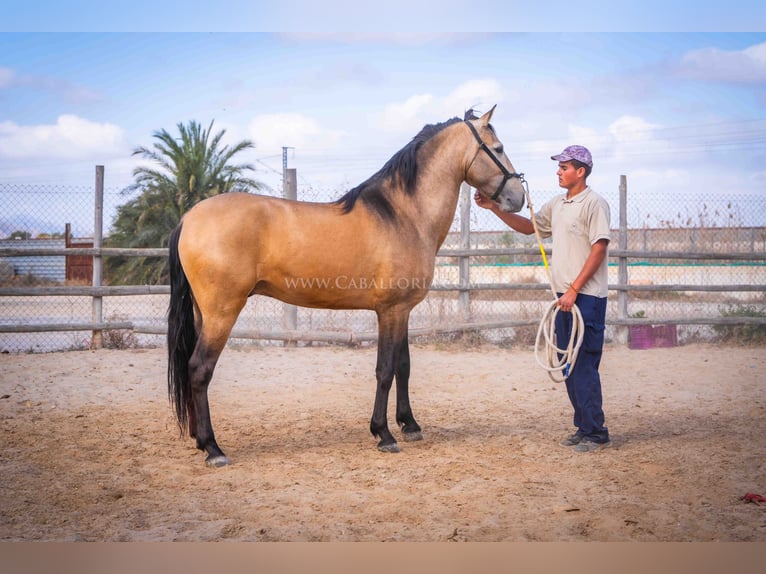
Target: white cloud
pixel 402 116
pixel 633 135
pixel 632 129
pixel 581 135
pixel 270 132
pixel 70 137
pixel 746 66
pixel 420 109
pixel 481 94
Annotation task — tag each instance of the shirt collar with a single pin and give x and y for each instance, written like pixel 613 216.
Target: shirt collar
pixel 577 198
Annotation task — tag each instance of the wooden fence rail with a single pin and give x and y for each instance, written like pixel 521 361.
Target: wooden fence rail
pixel 465 288
pixel 351 337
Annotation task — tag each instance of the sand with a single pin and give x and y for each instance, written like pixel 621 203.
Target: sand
pixel 91 452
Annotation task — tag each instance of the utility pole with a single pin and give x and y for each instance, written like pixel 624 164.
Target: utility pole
pixel 285 186
pixel 97 338
pixel 289 191
pixel 622 270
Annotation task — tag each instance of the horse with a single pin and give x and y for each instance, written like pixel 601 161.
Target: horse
pixel 373 248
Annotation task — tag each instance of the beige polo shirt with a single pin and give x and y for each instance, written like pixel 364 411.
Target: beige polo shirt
pixel 575 225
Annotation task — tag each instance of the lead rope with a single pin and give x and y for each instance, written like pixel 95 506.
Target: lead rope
pixel 558 362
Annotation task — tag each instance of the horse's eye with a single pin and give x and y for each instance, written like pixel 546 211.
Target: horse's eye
pixel 499 149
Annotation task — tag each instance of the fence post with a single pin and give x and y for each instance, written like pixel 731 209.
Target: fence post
pixel 290 312
pixel 622 276
pixel 464 295
pixel 97 339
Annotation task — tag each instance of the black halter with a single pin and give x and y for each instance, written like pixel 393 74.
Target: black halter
pixel 506 174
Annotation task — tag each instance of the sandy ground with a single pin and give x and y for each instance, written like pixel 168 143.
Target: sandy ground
pixel 90 450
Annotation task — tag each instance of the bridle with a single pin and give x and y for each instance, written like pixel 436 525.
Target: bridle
pixel 506 174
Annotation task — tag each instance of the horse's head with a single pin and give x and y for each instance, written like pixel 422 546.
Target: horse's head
pixel 489 169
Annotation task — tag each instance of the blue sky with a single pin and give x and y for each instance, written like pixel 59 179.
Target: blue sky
pixel 675 110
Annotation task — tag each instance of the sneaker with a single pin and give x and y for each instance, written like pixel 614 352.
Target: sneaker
pixel 572 440
pixel 589 445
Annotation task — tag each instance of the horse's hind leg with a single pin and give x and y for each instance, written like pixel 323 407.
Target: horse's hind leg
pixel 404 418
pixel 212 340
pixel 201 367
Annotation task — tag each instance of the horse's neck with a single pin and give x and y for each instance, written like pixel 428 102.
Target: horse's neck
pixel 432 207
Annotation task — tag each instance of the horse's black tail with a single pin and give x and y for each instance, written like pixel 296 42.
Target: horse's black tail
pixel 182 336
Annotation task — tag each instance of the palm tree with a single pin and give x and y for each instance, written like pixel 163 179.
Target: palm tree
pixel 190 168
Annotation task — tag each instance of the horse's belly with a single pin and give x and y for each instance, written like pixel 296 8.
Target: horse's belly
pixel 344 291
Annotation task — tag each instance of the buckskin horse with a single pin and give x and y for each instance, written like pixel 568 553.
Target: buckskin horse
pixel 374 247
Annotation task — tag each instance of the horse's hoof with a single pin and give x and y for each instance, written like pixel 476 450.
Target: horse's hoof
pixel 392 447
pixel 412 436
pixel 216 461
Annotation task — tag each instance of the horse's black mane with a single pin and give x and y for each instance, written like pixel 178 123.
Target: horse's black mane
pixel 402 165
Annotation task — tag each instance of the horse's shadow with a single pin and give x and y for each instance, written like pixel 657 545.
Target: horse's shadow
pixel 352 436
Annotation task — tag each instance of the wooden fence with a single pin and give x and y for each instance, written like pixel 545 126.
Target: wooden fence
pixel 464 288
pixel 97 324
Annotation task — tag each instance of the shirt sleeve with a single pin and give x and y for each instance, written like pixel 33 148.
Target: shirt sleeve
pixel 599 221
pixel 543 219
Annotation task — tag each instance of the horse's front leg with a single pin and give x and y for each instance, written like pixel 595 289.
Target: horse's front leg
pixel 392 333
pixel 404 418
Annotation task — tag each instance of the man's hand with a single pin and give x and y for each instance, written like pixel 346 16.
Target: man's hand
pixel 512 220
pixel 483 201
pixel 567 300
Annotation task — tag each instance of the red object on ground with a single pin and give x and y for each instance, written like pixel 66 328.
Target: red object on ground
pixel 755 498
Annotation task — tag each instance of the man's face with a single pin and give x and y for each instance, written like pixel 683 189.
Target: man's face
pixel 568 175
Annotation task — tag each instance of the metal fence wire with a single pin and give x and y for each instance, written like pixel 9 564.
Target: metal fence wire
pixel 499 291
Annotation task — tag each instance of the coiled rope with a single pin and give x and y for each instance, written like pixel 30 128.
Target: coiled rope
pixel 557 362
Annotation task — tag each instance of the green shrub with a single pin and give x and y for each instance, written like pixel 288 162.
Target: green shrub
pixel 743 334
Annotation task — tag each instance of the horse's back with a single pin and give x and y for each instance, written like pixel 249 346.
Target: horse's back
pixel 233 210
pixel 237 224
pixel 244 244
pixel 309 254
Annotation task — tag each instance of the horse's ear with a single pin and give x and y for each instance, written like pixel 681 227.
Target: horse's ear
pixel 488 116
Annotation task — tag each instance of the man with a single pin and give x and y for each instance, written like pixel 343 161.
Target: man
pixel 578 222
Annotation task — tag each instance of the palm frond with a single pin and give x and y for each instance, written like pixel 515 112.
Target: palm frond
pixel 187 168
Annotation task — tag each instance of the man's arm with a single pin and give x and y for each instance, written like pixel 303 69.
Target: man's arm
pixel 516 222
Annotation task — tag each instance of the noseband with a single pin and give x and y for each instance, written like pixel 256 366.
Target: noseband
pixel 506 174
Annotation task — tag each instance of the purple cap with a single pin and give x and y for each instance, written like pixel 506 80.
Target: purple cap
pixel 577 152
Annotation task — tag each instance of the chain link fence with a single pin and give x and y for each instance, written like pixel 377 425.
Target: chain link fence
pixel 500 292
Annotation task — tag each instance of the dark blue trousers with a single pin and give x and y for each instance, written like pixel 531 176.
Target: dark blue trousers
pixel 583 383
